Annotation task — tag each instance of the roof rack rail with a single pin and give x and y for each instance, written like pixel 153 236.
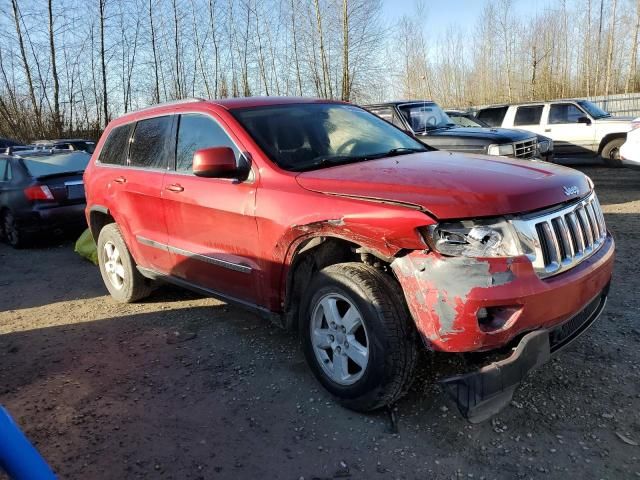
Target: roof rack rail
pixel 170 103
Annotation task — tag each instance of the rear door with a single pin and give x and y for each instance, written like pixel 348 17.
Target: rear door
pixel 140 203
pixel 493 116
pixel 568 134
pixel 212 229
pixel 529 117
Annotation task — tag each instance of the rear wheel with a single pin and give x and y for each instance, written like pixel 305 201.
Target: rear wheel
pixel 357 336
pixel 611 152
pixel 119 273
pixel 10 232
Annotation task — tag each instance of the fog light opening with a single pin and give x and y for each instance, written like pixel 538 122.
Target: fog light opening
pixel 493 319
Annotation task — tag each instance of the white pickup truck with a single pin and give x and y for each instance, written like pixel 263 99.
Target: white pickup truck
pixel 576 126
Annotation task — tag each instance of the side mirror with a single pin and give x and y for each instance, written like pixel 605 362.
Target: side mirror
pixel 585 120
pixel 215 162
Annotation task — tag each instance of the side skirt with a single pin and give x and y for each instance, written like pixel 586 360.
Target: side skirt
pixel 273 317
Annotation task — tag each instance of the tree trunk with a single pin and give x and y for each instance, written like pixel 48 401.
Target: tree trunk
pixel 105 101
pixel 612 26
pixel 25 64
pixel 323 56
pixel 57 124
pixel 155 56
pixel 345 52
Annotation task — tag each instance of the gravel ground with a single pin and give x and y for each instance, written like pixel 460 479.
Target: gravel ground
pixel 181 386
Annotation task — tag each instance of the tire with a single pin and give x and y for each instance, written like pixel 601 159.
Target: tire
pixel 119 273
pixel 385 331
pixel 611 152
pixel 10 232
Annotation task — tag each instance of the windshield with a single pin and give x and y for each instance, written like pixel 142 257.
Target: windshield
pixel 425 116
pixel 40 166
pixel 593 110
pixel 317 135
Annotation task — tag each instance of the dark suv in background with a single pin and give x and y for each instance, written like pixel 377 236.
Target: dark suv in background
pixel 429 124
pixel 467 119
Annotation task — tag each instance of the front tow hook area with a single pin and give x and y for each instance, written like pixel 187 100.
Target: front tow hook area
pixel 482 394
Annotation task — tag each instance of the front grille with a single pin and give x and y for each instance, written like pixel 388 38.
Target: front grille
pixel 526 149
pixel 562 239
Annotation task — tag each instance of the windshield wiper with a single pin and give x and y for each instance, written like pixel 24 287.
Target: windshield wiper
pixel 331 161
pixel 397 151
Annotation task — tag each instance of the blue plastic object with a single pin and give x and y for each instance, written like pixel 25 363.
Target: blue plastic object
pixel 18 457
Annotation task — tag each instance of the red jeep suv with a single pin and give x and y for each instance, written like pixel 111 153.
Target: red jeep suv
pixel 325 218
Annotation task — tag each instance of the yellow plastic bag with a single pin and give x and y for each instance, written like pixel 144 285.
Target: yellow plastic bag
pixel 86 247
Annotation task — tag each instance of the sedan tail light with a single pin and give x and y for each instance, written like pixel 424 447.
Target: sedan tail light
pixel 38 192
pixel 635 124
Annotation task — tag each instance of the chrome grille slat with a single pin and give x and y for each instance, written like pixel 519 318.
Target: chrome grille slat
pixel 526 149
pixel 594 223
pixel 586 228
pixel 560 240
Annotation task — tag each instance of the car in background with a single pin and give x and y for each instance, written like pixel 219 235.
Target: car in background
pixel 469 120
pixel 428 123
pixel 66 144
pixel 41 192
pixel 630 151
pixel 576 126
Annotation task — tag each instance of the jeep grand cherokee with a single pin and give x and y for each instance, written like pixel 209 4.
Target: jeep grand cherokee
pixel 325 218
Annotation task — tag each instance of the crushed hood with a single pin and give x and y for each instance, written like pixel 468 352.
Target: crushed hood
pixel 450 185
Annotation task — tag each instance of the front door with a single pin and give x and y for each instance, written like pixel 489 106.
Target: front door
pixel 569 135
pixel 212 228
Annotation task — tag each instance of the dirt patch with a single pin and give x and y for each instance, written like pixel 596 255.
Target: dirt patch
pixel 181 386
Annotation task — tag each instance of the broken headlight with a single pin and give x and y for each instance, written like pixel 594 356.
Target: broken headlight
pixel 479 238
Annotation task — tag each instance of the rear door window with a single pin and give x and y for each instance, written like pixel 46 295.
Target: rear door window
pixel 493 116
pixel 115 148
pixel 564 113
pixel 196 132
pixel 529 115
pixel 151 143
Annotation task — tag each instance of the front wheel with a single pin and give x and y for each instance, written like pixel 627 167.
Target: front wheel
pixel 357 336
pixel 611 152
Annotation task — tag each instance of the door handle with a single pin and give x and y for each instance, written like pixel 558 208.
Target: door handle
pixel 547 130
pixel 120 180
pixel 175 188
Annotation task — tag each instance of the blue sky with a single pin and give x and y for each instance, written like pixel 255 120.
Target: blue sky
pixel 464 13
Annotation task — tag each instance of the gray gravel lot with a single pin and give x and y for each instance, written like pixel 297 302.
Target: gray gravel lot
pixel 181 386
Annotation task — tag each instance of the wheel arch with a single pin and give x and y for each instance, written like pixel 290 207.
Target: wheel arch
pixel 313 254
pixel 99 216
pixel 608 138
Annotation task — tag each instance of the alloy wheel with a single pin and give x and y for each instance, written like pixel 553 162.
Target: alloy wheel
pixel 339 339
pixel 113 265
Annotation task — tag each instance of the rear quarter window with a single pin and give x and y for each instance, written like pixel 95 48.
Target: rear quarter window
pixel 529 115
pixel 493 116
pixel 116 146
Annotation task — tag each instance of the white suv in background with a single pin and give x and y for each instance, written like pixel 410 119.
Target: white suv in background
pixel 576 126
pixel 630 151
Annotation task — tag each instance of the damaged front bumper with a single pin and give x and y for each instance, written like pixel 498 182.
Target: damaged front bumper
pixel 481 394
pixel 464 304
